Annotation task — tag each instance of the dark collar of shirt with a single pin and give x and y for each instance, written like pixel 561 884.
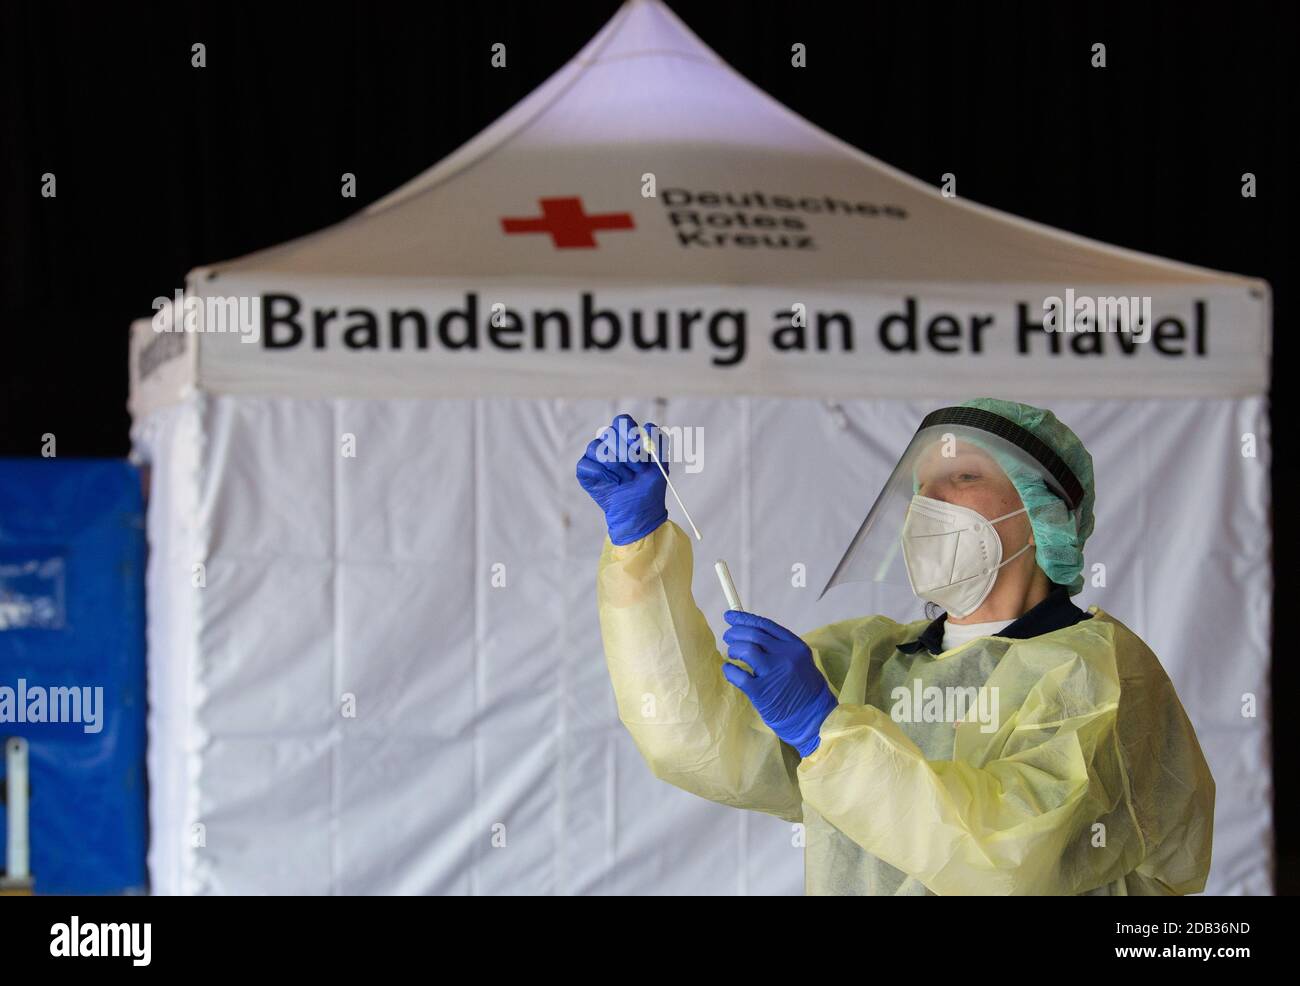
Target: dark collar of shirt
pixel 1053 613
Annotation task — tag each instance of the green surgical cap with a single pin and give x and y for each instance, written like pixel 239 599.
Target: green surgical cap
pixel 1058 537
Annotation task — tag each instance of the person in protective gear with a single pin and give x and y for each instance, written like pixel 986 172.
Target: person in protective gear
pixel 1014 745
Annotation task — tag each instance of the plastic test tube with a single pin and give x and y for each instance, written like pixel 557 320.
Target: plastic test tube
pixel 728 586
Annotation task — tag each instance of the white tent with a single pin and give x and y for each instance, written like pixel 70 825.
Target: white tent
pixel 375 662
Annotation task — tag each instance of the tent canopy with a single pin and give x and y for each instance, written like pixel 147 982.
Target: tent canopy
pixel 649 222
pixel 648 97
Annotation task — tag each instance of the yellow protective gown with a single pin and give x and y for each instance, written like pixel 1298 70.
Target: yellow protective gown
pixel 1092 783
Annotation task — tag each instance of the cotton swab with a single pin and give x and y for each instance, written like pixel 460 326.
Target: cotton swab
pixel 650 446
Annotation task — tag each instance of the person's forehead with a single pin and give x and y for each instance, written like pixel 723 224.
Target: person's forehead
pixel 942 453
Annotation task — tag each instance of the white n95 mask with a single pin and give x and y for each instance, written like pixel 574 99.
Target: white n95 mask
pixel 952 553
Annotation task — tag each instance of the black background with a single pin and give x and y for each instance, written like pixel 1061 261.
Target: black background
pixel 161 166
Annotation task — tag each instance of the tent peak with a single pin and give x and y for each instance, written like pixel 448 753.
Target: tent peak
pixel 646 27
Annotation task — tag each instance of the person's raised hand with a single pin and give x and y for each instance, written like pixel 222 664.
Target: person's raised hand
pixel 619 474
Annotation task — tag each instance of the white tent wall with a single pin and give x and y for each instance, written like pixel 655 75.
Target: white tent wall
pixel 443 578
pixel 166 440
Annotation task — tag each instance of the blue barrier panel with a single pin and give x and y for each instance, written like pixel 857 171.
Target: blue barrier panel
pixel 72 674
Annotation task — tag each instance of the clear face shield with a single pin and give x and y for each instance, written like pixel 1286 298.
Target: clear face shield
pixel 937 518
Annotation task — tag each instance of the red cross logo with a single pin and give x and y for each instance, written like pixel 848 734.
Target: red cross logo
pixel 568 225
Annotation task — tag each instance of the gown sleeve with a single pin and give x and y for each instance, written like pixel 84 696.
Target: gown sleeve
pixel 693 728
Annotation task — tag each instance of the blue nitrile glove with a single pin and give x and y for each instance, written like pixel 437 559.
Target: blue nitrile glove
pixel 630 491
pixel 786 688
